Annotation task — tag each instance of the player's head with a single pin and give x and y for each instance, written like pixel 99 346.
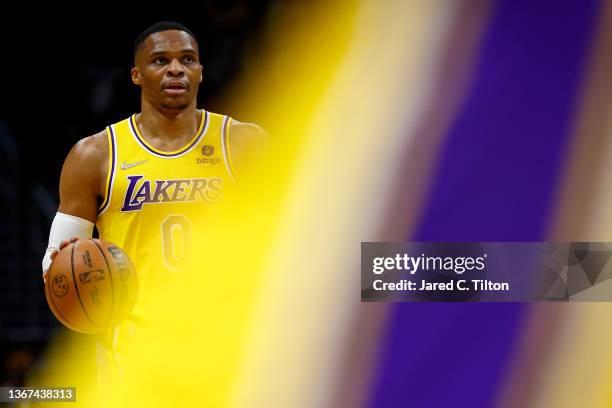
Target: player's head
pixel 167 66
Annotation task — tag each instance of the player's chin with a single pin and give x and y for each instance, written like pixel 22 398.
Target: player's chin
pixel 174 105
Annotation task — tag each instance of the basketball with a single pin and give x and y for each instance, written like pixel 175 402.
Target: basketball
pixel 91 286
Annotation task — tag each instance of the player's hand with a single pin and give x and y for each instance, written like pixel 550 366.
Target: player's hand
pixel 63 245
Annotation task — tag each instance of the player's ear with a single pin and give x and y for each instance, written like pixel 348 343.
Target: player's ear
pixel 135 76
pixel 201 73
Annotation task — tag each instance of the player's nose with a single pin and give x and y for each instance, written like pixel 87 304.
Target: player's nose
pixel 175 67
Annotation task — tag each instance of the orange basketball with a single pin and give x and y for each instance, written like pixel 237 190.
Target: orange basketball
pixel 91 286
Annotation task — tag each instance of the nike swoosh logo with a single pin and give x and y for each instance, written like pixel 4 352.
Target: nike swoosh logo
pixel 125 166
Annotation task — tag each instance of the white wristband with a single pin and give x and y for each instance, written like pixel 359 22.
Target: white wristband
pixel 64 227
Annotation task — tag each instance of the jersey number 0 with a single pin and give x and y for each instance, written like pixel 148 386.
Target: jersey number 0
pixel 176 238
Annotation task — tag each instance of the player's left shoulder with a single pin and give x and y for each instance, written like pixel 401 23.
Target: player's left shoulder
pixel 247 141
pixel 244 133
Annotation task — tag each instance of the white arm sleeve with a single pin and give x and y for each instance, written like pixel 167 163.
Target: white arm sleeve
pixel 64 227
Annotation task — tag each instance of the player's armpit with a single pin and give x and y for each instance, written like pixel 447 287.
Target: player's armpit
pixel 83 177
pixel 248 142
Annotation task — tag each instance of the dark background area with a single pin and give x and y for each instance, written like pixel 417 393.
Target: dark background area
pixel 66 75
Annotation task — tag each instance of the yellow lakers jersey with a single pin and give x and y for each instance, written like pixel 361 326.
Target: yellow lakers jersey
pixel 152 194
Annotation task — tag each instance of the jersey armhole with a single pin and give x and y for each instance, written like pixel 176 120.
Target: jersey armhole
pixel 108 186
pixel 225 144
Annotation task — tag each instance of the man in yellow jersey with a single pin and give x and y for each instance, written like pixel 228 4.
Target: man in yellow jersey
pixel 139 179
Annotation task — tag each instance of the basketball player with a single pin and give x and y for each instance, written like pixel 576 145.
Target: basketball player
pixel 138 180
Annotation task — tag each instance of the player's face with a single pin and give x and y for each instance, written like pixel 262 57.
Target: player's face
pixel 168 70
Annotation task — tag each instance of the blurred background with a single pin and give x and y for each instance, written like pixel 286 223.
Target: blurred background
pixel 465 120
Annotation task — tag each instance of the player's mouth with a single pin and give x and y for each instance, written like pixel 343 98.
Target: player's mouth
pixel 174 88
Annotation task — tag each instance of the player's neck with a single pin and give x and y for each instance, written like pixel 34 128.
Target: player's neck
pixel 154 123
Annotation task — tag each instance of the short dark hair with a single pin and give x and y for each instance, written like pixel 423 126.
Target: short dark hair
pixel 158 27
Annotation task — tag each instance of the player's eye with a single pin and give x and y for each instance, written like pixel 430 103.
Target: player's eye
pixel 160 60
pixel 189 59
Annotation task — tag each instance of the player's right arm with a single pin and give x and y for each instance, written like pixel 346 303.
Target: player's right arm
pixel 83 177
pixel 82 184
